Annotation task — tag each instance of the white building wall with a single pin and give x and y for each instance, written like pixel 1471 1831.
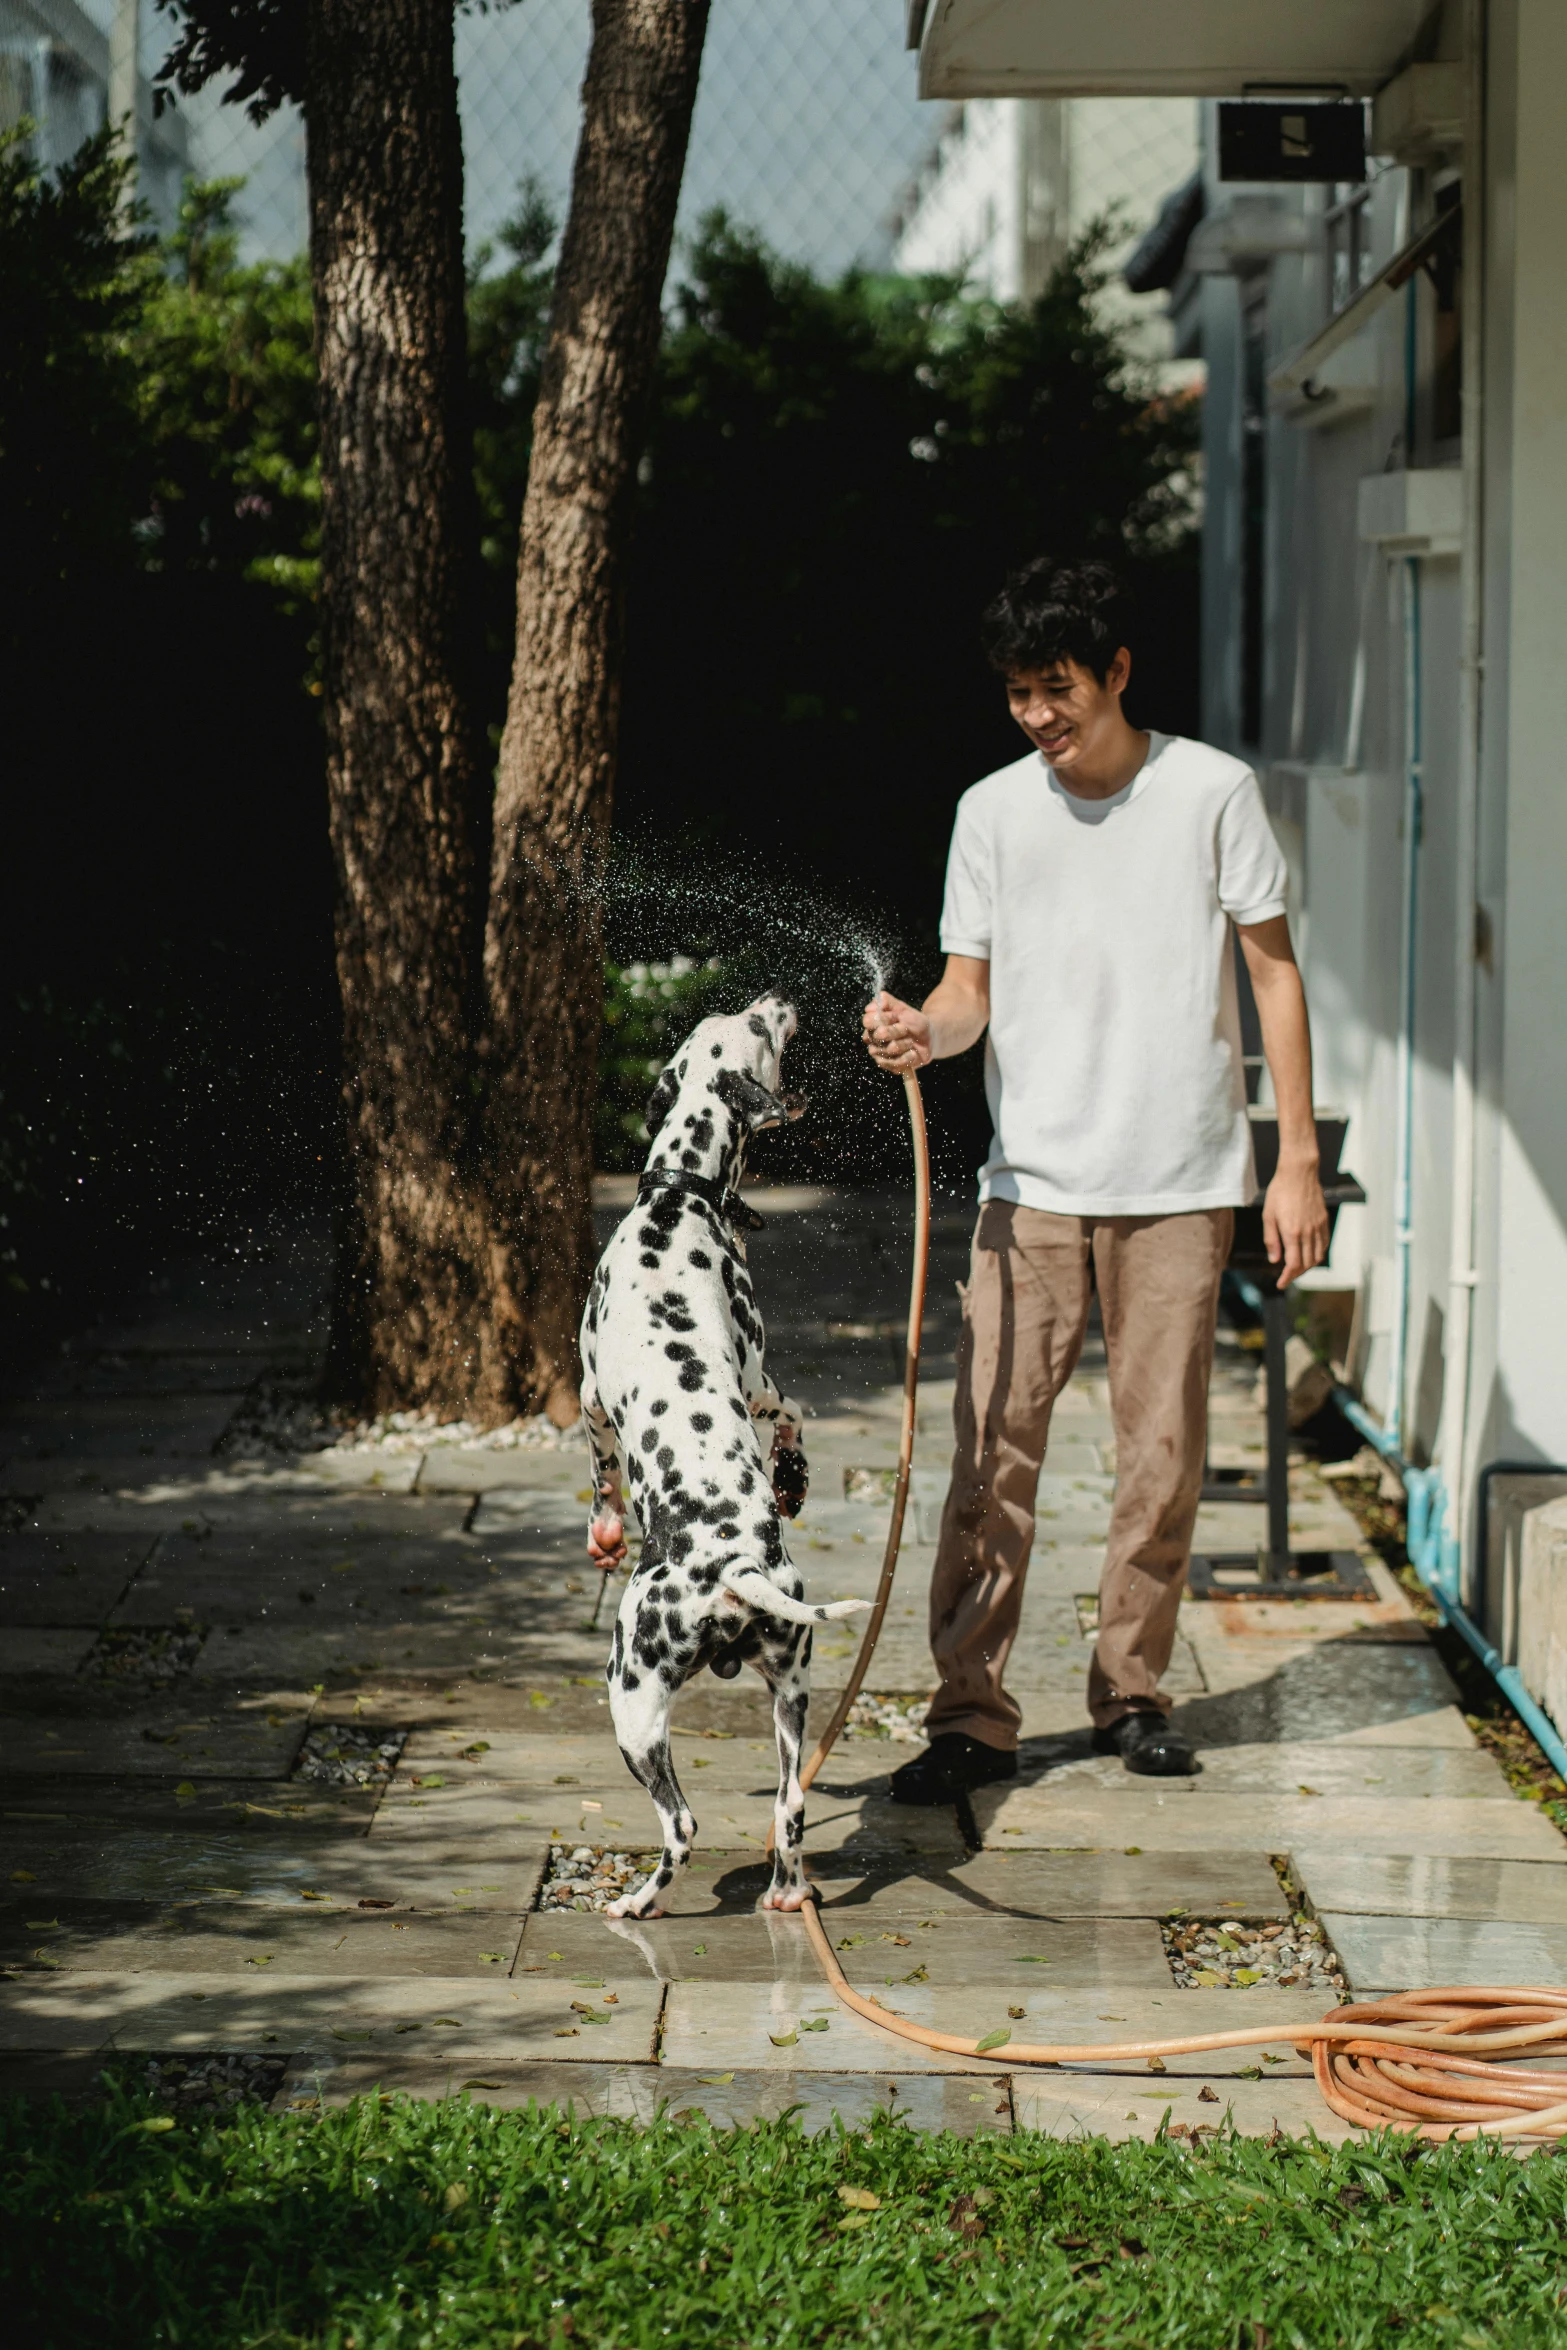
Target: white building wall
pixel 1012 181
pixel 1530 1394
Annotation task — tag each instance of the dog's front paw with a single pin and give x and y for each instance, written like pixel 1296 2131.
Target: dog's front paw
pixel 791 1480
pixel 632 1905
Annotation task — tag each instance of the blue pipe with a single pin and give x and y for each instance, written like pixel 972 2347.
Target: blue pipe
pixel 1434 1555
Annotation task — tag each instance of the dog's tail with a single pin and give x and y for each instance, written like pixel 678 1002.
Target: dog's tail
pixel 759 1591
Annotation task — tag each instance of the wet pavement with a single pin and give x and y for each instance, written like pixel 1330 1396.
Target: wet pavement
pixel 307 1784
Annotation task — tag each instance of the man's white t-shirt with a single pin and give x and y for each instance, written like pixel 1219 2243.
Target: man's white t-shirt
pixel 1113 1063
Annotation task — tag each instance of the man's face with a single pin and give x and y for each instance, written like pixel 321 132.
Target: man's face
pixel 1065 710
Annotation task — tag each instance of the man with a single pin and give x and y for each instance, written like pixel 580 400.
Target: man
pixel 1092 891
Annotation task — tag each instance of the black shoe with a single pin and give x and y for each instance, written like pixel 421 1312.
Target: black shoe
pixel 951 1764
pixel 1146 1744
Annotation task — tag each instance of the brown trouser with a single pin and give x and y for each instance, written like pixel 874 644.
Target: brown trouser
pixel 1024 1314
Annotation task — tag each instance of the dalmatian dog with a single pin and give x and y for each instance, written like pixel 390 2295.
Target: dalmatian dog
pixel 683 1419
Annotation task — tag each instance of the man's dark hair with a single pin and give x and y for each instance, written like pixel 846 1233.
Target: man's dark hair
pixel 1051 611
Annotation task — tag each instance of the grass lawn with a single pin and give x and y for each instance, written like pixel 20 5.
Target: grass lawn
pixel 389 2222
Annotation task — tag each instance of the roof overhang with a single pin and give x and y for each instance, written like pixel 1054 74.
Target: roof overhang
pixel 1160 48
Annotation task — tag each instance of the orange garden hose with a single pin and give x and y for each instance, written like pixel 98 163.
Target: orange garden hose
pixel 1417 2063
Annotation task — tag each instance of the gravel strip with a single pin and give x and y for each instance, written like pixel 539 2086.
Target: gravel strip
pixel 877 1716
pixel 590 1876
pixel 155 1656
pixel 214 2082
pixel 281 1417
pixel 349 1754
pixel 1218 1954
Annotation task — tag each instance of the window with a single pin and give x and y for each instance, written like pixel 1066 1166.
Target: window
pixel 1348 227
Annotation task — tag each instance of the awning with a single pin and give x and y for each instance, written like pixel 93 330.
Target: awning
pixel 1160 48
pixel 1296 372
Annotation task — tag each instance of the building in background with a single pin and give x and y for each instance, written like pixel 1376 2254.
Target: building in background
pixel 1384 573
pixel 1011 183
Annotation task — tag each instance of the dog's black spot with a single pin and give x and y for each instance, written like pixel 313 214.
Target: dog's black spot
pixel 701 1422
pixel 758 1027
pixel 659 1406
pixel 648 1261
pixel 700 1259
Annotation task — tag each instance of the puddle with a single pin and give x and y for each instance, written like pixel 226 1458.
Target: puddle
pixel 1221 1954
pixel 153 1655
pixel 349 1754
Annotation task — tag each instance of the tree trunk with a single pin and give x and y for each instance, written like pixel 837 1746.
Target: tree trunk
pixel 403 760
pixel 543 956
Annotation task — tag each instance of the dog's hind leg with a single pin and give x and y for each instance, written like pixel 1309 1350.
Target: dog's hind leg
pixel 642 1731
pixel 788 1674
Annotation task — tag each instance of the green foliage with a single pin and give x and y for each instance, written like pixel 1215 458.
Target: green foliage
pixel 74 280
pixel 226 374
pixel 838 477
pixel 391 2223
pixel 648 1008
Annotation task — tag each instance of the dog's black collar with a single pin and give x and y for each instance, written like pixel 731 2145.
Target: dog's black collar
pixel 717 1195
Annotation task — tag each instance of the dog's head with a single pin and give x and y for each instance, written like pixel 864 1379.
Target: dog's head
pixel 721 1088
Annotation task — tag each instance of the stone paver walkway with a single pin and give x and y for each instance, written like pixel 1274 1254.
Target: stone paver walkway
pixel 286 1743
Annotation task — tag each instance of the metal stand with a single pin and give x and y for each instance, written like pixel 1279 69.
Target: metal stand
pixel 1273 1570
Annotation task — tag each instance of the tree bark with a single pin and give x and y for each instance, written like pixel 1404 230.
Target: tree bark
pixel 543 954
pixel 403 758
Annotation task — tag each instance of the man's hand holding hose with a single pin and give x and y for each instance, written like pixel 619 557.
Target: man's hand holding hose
pixel 901 1039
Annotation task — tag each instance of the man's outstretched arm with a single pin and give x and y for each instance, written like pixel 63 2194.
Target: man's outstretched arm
pixel 953 1017
pixel 1294 1213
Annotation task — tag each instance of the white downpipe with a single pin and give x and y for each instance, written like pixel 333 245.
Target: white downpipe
pixel 1404 1079
pixel 1452 1440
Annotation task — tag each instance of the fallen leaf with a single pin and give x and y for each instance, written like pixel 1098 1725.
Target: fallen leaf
pixel 1207 2096
pixel 40 1925
pixel 155 2127
pixel 699 1950
pixel 567 2032
pixel 859 2198
pixel 589 1982
pixel 783 2039
pixel 367 1902
pixel 185 1790
pixel 315 1896
pixel 964 2217
pixel 492 1958
pixel 1017 2013
pixel 1156 2064
pixel 447 2019
pixel 484 2084
pixel 1132 1851
pixel 818 2024
pixel 715 2080
pixel 337 2035
pixel 266 1961
pixel 1027 1958
pixel 853 1941
pixel 851 2219
pixel 919 1974
pixel 1303 1790
pixel 456 2196
pixel 23 1877
pixel 997 2039
pixel 408 2027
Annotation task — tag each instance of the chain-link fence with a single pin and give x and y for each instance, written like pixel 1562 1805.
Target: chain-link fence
pixel 807 124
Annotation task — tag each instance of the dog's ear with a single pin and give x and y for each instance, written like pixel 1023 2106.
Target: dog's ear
pixel 661 1100
pixel 751 1101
